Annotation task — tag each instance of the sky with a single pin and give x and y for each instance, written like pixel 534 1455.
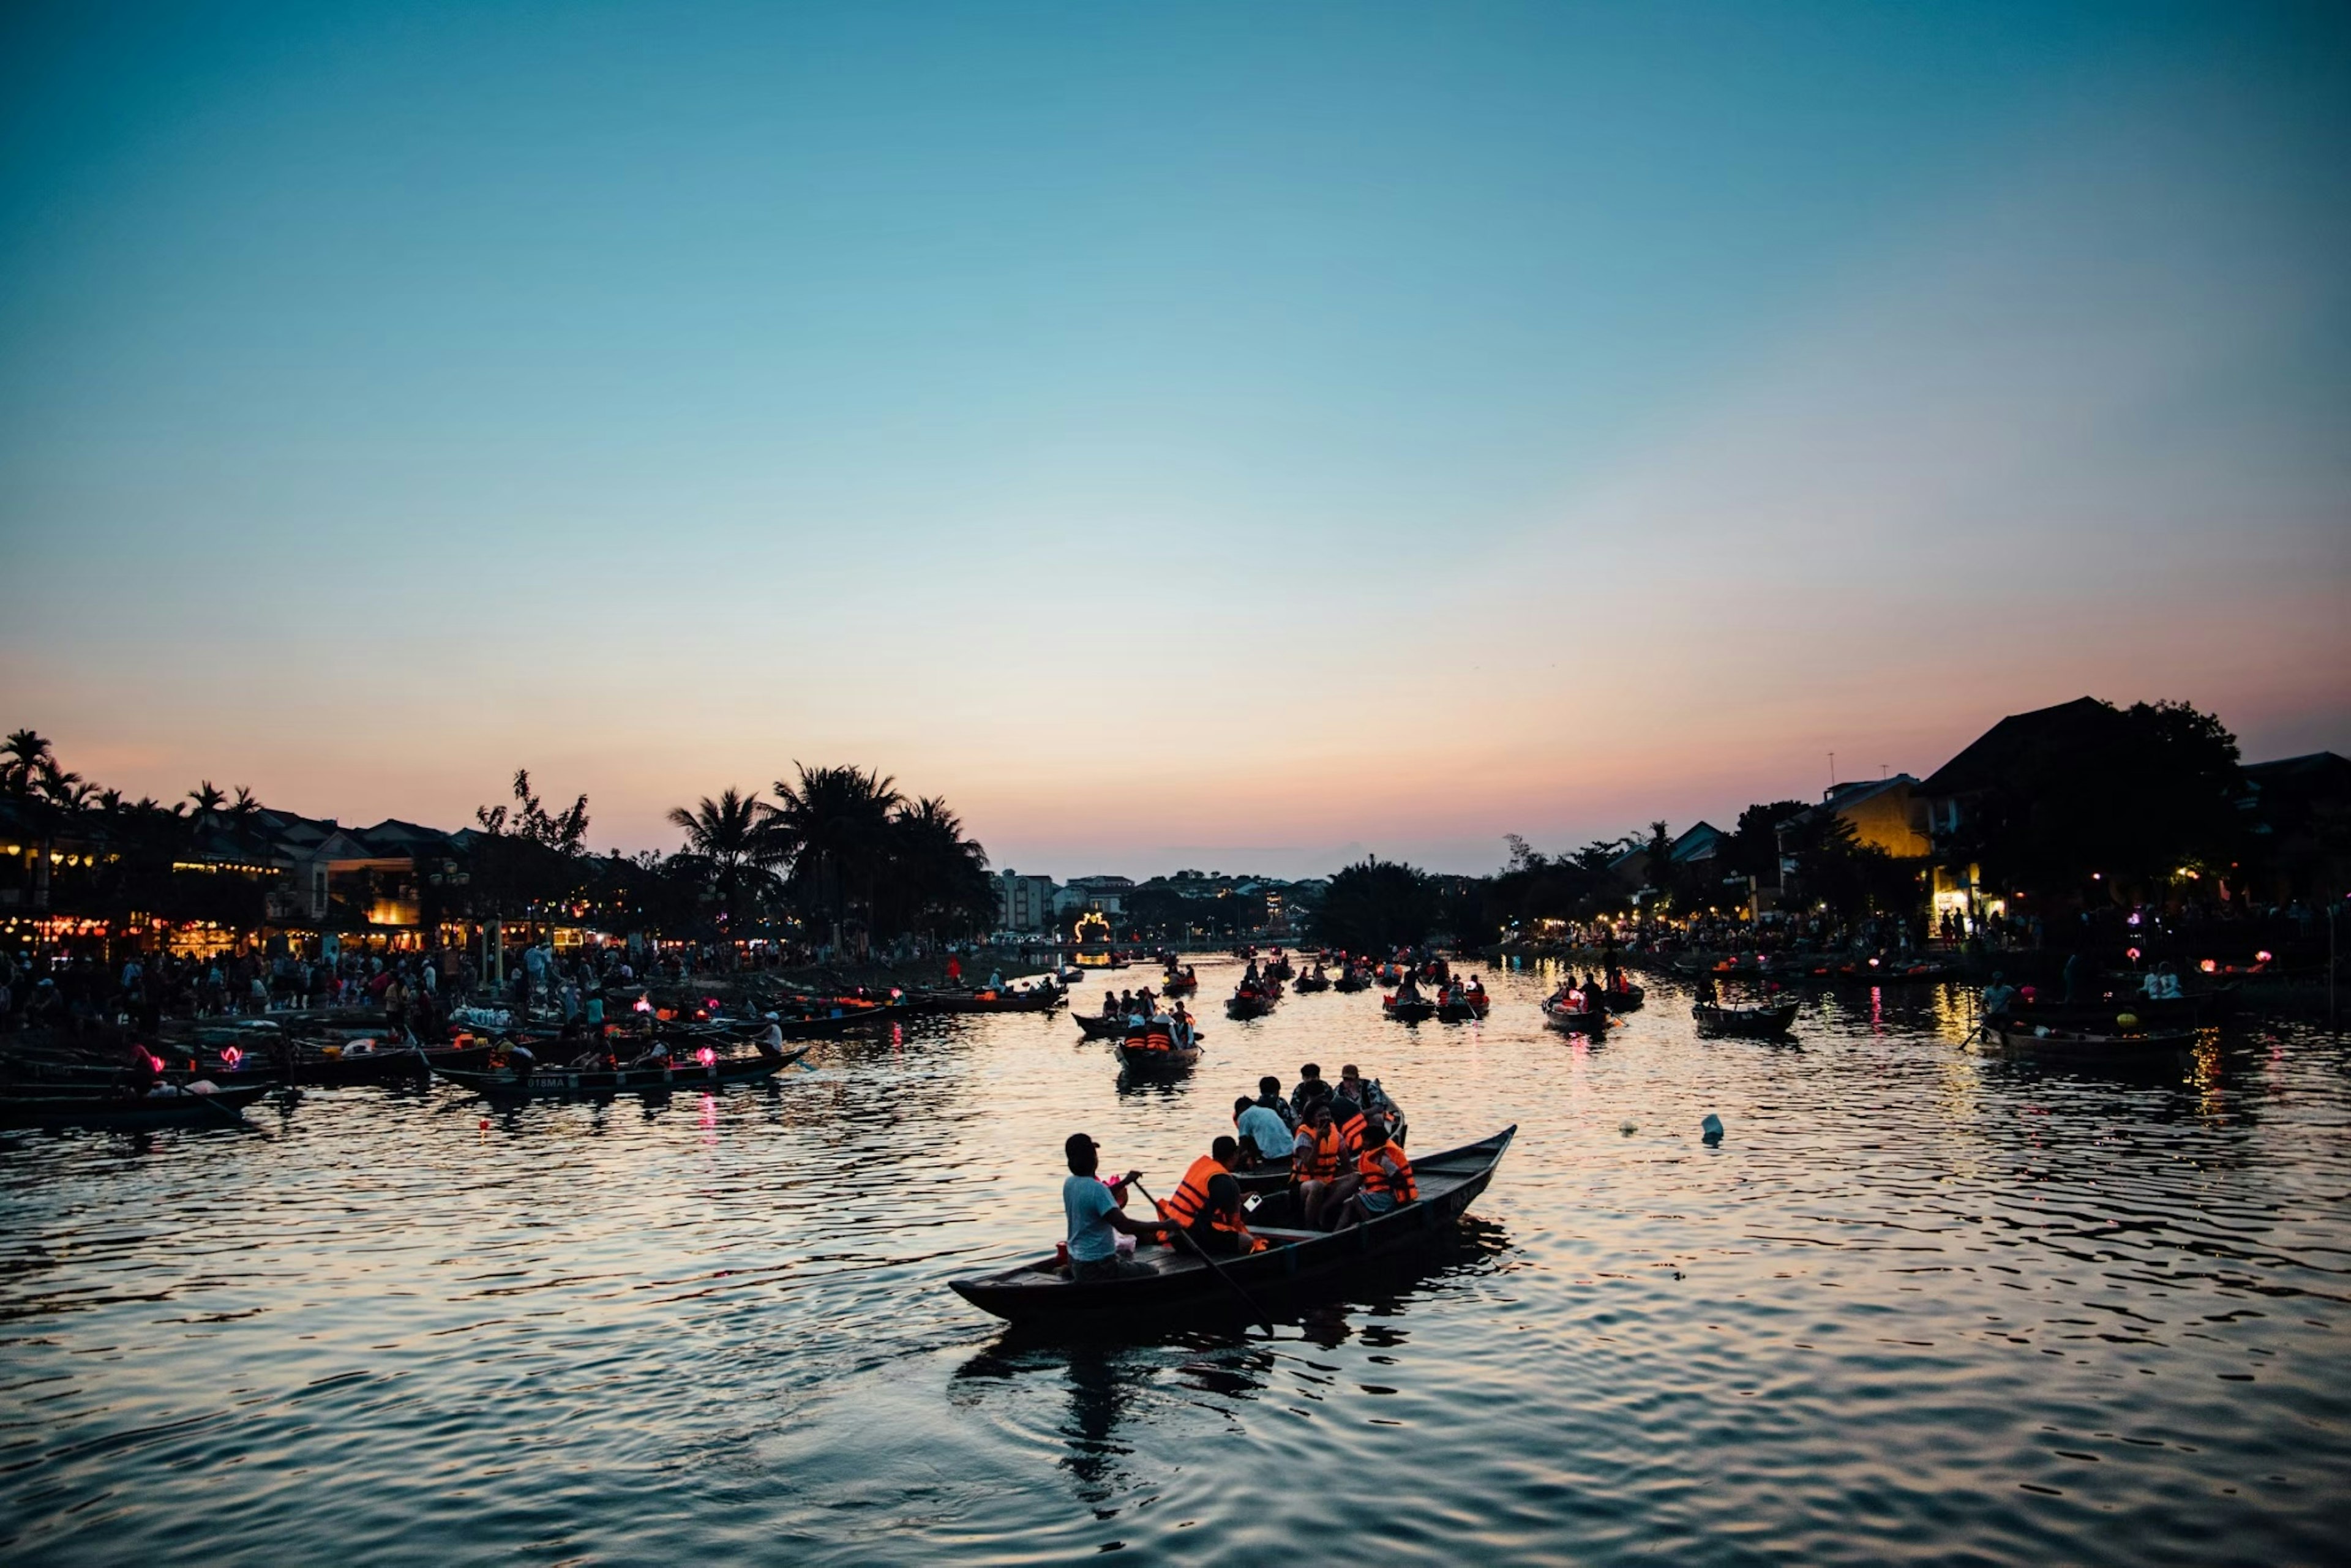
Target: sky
pixel 1237 436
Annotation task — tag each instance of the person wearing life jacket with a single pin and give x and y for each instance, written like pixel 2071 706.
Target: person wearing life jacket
pixel 1220 1230
pixel 1190 1201
pixel 1386 1177
pixel 1314 1163
pixel 1159 1034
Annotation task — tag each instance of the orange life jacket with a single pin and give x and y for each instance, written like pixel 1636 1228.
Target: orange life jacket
pixel 1350 1128
pixel 1161 1037
pixel 1218 1222
pixel 1190 1198
pixel 1400 1186
pixel 1319 1160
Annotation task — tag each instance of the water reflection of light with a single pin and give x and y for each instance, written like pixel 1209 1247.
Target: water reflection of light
pixel 2204 1073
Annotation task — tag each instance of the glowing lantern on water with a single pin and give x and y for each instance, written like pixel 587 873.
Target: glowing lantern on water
pixel 2262 957
pixel 2132 954
pixel 705 1056
pixel 2208 966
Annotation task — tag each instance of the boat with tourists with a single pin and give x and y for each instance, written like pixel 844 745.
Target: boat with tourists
pixel 1576 1016
pixel 1141 1060
pixel 1295 1265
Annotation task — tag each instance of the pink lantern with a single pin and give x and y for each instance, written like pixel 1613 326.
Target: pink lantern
pixel 705 1056
pixel 2132 954
pixel 230 1057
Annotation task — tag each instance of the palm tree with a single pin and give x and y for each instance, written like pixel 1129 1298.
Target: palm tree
pixel 207 797
pixel 833 827
pixel 245 804
pixel 938 878
pixel 729 833
pixel 22 756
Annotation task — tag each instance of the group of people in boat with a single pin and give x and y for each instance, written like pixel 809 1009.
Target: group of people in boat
pixel 1592 994
pixel 1336 1141
pixel 1153 1023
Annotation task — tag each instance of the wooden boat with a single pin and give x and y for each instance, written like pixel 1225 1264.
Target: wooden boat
pixel 1468 1009
pixel 1143 1062
pixel 841 1016
pixel 1101 1026
pixel 1352 980
pixel 1627 999
pixel 1248 1005
pixel 1294 1265
pixel 1585 1019
pixel 1416 1009
pixel 1771 1017
pixel 2043 1039
pixel 71 1105
pixel 383 1065
pixel 1175 983
pixel 1311 982
pixel 2105 1015
pixel 1043 1000
pixel 564 1082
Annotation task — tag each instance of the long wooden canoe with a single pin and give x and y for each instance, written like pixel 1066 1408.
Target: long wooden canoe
pixel 1770 1018
pixel 1297 1264
pixel 2043 1041
pixel 67 1106
pixel 565 1082
pixel 1419 1009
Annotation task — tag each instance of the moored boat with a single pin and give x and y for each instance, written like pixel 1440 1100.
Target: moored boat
pixel 1294 1265
pixel 2043 1040
pixel 68 1105
pixel 1766 1018
pixel 1043 1000
pixel 563 1083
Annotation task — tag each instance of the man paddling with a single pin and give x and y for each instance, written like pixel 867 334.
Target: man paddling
pixel 1096 1212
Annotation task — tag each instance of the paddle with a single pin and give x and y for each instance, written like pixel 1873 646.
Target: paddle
pixel 1215 1268
pixel 236 1118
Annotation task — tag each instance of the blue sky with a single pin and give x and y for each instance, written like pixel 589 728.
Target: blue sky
pixel 1162 430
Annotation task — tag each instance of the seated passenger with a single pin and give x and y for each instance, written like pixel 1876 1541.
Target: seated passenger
pixel 1262 1132
pixel 1190 1201
pixel 1386 1176
pixel 1221 1231
pixel 1315 1158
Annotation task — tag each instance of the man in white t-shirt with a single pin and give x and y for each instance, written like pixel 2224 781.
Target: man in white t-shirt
pixel 1096 1217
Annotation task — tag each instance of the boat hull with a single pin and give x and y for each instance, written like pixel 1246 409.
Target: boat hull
pixel 568 1084
pixel 75 1109
pixel 1754 1022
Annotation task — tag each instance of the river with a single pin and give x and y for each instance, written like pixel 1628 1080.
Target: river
pixel 1920 1303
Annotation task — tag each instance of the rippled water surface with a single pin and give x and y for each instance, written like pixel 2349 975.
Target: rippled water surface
pixel 1921 1303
